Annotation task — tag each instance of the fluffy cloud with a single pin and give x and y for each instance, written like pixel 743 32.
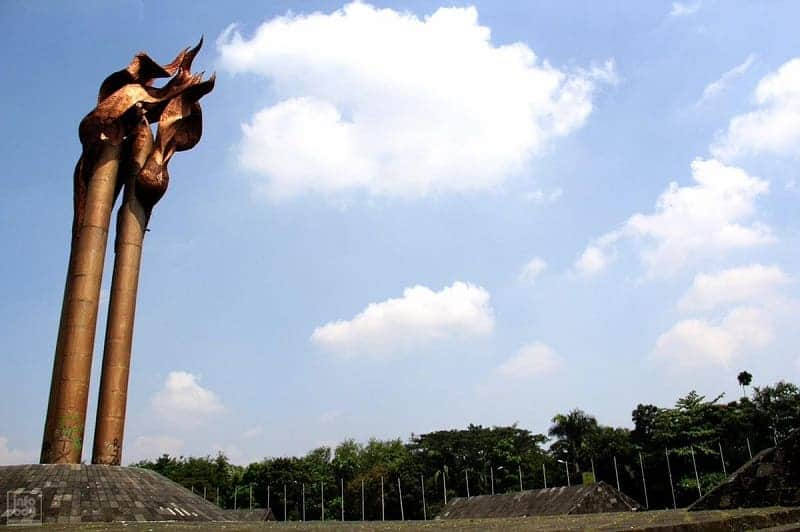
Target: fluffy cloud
pixel 183 402
pixel 596 257
pixel 420 317
pixel 540 196
pixel 715 87
pixel 532 270
pixel 396 105
pixel 532 360
pixel 682 9
pixel 10 456
pixel 149 447
pixel 736 285
pixel 739 309
pixel 774 126
pixel 698 343
pixel 689 223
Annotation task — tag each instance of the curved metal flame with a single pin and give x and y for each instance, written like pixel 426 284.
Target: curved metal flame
pixel 116 131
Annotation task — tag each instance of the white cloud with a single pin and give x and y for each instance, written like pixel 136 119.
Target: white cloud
pixel 751 283
pixel 540 196
pixel 16 456
pixel 532 270
pixel 420 317
pixel 715 87
pixel 396 105
pixel 774 126
pixel 252 432
pixel 150 447
pixel 689 223
pixel 183 402
pixel 532 360
pixel 682 9
pixel 593 260
pixel 701 343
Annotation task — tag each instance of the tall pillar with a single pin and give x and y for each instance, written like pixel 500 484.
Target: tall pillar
pixel 69 392
pixel 127 103
pixel 131 226
pixel 146 180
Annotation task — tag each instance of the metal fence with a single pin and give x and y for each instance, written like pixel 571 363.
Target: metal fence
pixel 648 474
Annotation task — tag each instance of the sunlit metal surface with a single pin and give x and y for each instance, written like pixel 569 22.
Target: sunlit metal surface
pixel 118 152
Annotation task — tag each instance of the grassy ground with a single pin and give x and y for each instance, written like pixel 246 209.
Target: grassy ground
pixel 666 520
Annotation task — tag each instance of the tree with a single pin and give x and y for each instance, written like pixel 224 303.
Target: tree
pixel 643 420
pixel 778 407
pixel 573 432
pixel 744 378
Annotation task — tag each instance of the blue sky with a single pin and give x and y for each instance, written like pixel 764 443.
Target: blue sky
pixel 403 218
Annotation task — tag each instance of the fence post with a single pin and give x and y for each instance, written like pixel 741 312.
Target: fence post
pixel 671 486
pixel 444 483
pixel 696 476
pixel 362 499
pixel 400 492
pixel 749 450
pixel 644 482
pixel 424 508
pixel 491 472
pixel 544 474
pixel 594 475
pixel 616 474
pixel 383 507
pixel 722 459
pixel 466 475
pixel 519 470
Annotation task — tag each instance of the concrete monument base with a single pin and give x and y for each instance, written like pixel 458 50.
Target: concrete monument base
pixel 78 493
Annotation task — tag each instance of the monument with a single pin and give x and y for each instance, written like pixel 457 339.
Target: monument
pixel 120 155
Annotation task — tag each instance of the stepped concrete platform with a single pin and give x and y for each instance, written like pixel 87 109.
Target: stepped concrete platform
pixel 767 519
pixel 586 499
pixel 771 478
pixel 63 493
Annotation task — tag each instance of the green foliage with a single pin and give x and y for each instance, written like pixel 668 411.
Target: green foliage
pixel 200 472
pixel 695 431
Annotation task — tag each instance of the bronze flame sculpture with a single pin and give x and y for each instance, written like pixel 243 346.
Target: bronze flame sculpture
pixel 119 153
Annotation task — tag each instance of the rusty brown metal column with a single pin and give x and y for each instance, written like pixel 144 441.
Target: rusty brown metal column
pixel 69 392
pixel 131 225
pixel 146 181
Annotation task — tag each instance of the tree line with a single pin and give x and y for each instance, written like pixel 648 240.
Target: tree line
pixel 715 436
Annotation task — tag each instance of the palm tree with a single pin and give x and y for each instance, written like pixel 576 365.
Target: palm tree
pixel 744 378
pixel 572 431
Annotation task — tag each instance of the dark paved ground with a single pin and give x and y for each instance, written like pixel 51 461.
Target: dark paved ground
pixel 784 519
